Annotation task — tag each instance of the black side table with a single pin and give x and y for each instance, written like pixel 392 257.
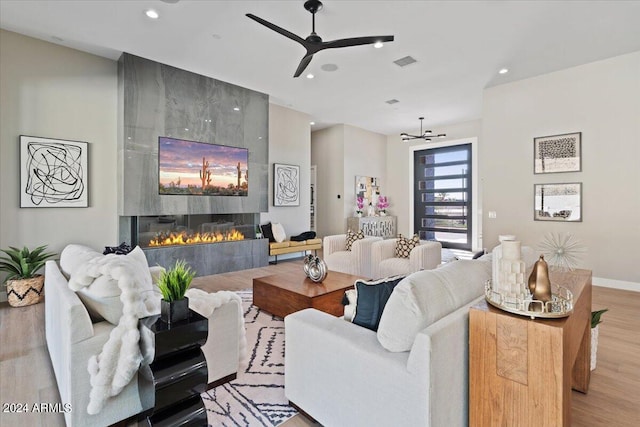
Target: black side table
pixel 178 373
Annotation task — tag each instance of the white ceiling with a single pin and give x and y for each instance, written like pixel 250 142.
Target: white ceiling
pixel 459 45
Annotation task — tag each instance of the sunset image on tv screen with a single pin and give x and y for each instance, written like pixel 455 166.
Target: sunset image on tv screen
pixel 197 168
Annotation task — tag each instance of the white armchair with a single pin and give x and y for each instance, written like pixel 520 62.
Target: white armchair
pixel 426 256
pixel 357 261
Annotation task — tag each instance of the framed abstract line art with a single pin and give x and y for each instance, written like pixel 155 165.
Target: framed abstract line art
pixel 558 202
pixel 557 153
pixel 286 185
pixel 53 173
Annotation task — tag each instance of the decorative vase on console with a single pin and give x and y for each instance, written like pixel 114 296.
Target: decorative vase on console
pixel 511 271
pixel 371 211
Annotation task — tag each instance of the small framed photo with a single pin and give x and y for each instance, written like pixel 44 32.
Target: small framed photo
pixel 53 173
pixel 558 202
pixel 286 185
pixel 557 153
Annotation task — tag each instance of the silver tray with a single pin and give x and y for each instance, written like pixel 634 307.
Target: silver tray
pixel 561 304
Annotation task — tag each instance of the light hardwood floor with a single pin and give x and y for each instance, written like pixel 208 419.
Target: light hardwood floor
pixel 26 374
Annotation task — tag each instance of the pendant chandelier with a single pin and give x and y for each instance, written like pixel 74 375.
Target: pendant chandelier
pixel 426 135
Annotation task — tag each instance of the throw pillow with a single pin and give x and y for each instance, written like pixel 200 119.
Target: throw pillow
pixel 268 232
pixel 371 297
pixel 352 237
pixel 278 232
pixel 404 245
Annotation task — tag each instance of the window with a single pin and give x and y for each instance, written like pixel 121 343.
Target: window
pixel 442 195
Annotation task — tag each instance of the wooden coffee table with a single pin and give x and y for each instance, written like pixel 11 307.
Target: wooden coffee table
pixel 283 294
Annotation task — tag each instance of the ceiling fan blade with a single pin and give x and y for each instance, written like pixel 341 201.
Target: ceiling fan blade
pixel 277 29
pixel 355 41
pixel 303 64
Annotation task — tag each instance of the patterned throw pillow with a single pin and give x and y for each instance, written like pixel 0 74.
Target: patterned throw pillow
pixel 404 245
pixel 352 237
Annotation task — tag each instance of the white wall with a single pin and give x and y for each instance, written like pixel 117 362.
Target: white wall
pixel 290 143
pixel 365 155
pixel 327 148
pixel 52 91
pixel 601 100
pixel 341 152
pixel 398 155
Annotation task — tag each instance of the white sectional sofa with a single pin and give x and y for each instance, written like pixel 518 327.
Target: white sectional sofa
pixel 72 338
pixel 412 372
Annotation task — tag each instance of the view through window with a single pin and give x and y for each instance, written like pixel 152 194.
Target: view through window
pixel 442 195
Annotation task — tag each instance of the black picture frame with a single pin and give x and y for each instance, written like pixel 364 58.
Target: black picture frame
pixel 557 153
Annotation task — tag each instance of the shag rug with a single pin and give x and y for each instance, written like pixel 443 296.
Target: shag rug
pixel 256 397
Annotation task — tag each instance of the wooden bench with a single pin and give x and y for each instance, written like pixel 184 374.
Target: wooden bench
pixel 289 246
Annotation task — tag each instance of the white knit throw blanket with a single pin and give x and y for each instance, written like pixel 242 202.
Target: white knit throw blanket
pixel 112 369
pixel 116 365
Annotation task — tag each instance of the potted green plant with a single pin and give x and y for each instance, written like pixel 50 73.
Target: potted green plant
pixel 24 285
pixel 173 284
pixel 595 321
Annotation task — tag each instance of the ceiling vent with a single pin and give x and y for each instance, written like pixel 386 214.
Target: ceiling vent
pixel 392 101
pixel 403 62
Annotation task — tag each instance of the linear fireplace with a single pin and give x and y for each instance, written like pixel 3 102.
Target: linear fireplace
pixel 210 243
pixel 171 230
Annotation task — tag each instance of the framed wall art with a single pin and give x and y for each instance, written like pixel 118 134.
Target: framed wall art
pixel 53 173
pixel 558 202
pixel 286 185
pixel 557 153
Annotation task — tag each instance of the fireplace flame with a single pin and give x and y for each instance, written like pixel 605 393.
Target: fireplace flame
pixel 184 238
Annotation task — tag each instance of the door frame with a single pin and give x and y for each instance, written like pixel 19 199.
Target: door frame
pixel 476 233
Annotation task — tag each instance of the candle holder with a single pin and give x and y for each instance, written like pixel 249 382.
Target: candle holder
pixel 561 304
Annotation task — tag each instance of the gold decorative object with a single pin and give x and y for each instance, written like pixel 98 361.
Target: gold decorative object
pixel 315 268
pixel 539 283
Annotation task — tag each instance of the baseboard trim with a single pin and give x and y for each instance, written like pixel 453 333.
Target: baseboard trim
pixel 222 380
pixel 616 284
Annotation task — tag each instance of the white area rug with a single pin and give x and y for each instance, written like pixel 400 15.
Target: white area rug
pixel 256 397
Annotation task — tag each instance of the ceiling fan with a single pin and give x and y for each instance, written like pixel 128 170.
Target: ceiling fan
pixel 313 43
pixel 426 135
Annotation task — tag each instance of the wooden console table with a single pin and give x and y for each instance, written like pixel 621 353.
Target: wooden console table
pixel 521 371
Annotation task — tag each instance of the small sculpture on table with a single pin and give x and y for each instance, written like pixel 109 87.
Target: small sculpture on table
pixel 539 284
pixel 315 268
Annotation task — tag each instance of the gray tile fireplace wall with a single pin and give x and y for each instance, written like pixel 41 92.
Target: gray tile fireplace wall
pixel 158 100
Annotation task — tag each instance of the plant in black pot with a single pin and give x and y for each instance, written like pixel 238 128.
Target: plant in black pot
pixel 173 284
pixel 24 284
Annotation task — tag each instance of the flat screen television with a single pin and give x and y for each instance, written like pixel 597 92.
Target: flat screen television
pixel 201 169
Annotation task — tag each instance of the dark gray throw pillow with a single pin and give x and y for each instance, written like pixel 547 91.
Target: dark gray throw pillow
pixel 268 232
pixel 372 297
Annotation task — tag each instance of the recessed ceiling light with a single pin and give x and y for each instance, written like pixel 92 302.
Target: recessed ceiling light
pixel 236 108
pixel 187 129
pixel 310 76
pixel 312 123
pixel 329 67
pixel 378 44
pixel 503 71
pixel 152 14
